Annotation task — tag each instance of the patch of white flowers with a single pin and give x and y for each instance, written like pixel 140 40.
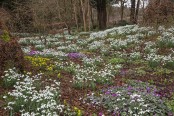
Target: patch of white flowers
pixel 92 61
pixel 114 31
pixel 96 45
pixel 30 40
pixel 150 47
pixel 72 48
pixel 159 58
pixel 135 55
pixel 118 44
pixel 87 74
pixel 29 100
pixel 11 74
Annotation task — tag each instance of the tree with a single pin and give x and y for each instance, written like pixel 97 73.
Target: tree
pixel 159 12
pixel 84 6
pixel 122 6
pixel 134 11
pixel 101 5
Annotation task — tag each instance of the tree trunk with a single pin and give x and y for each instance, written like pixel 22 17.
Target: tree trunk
pixel 143 11
pixel 75 14
pixel 89 16
pixel 84 14
pixel 136 12
pixel 132 14
pixel 122 9
pixel 92 19
pixel 102 14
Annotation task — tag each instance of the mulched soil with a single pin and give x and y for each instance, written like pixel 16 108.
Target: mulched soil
pixel 72 95
pixel 2 103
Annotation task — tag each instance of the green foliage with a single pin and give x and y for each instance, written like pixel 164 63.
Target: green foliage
pixel 116 60
pixel 70 69
pixel 140 72
pixel 81 85
pixel 40 48
pixel 162 71
pixel 5 36
pixel 169 65
pixel 154 64
pixel 170 103
pixel 165 41
pixel 101 80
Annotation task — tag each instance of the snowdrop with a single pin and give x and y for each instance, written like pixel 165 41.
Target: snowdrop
pixel 42 102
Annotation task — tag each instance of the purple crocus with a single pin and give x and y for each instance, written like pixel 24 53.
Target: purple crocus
pixel 129 88
pixel 148 89
pixel 114 95
pixel 107 93
pixel 101 114
pixel 33 52
pixel 75 55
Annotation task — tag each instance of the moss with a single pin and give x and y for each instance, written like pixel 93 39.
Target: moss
pixel 5 36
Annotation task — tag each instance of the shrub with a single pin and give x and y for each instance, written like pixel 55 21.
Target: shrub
pixel 11 52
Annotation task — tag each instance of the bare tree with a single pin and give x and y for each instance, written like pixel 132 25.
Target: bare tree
pixel 134 11
pixel 132 14
pixel 100 5
pixel 137 11
pixel 122 8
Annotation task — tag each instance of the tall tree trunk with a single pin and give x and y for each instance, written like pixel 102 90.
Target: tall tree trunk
pixel 122 9
pixel 143 11
pixel 92 19
pixel 108 14
pixel 132 14
pixel 84 14
pixel 102 14
pixel 89 16
pixel 137 10
pixel 75 14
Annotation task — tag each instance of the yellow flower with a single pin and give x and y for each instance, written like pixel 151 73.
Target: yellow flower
pixel 64 101
pixel 58 75
pixel 79 113
pixel 75 108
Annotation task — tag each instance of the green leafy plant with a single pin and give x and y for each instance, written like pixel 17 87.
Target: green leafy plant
pixel 5 36
pixel 116 60
pixel 169 65
pixel 154 64
pixel 170 103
